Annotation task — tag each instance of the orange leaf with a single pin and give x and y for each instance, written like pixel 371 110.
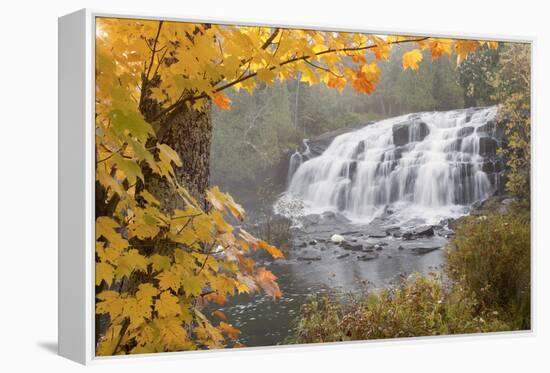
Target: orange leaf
pixel 230 330
pixel 219 314
pixel 275 253
pixel 266 280
pixel 222 101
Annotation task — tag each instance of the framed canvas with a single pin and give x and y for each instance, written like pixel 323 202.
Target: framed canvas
pixel 226 185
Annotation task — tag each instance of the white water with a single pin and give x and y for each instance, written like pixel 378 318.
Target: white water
pixel 363 173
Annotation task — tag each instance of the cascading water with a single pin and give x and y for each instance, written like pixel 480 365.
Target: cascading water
pixel 425 166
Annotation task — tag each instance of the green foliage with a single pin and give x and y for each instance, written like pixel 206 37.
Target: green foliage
pixel 513 92
pixel 490 256
pixel 476 77
pixel 419 306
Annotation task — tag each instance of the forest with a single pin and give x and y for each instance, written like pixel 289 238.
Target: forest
pixel 258 186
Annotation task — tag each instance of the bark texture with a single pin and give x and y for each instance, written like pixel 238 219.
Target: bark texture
pixel 189 133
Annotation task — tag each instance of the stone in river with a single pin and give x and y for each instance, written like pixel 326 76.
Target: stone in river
pixel 367 257
pixel 342 256
pixel 309 259
pixel 336 238
pixel 423 250
pixel 352 247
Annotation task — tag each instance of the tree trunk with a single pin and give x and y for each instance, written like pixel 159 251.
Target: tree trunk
pixel 189 133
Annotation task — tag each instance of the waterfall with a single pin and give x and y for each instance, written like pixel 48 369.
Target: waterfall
pixel 296 160
pixel 426 166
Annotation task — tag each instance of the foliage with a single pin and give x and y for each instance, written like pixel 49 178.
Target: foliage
pixel 419 306
pixel 158 265
pixel 490 255
pixel 477 75
pixel 513 92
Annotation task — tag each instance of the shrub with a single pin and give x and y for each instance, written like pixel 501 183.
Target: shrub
pixel 490 256
pixel 420 306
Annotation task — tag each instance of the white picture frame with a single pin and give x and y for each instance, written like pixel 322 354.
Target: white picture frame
pixel 77 176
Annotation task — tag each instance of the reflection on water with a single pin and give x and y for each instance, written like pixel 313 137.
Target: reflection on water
pixel 265 322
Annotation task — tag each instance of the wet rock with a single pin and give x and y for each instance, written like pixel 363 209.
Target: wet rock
pixel 465 131
pixel 423 250
pixel 352 247
pixel 311 219
pixel 343 256
pixel 313 242
pixel 378 247
pixel 426 231
pixel 308 258
pixel 487 146
pixel 302 245
pixel 409 131
pixel 367 257
pixel 407 236
pixel 400 248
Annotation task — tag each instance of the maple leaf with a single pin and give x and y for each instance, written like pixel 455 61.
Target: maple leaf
pixel 167 305
pixel 266 280
pixel 104 272
pixel 230 330
pixel 411 59
pixel 221 101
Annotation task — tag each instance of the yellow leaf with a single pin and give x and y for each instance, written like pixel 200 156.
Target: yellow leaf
pixel 167 305
pixel 266 75
pixel 103 271
pixel 411 59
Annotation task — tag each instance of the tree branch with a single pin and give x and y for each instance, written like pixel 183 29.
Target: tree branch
pixel 289 61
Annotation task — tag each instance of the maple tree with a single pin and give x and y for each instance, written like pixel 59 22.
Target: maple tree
pixel 165 246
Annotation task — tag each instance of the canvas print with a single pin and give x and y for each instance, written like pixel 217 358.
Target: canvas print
pixel 263 186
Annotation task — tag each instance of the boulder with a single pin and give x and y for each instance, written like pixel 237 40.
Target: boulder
pixel 426 231
pixel 487 146
pixel 465 131
pixel 336 238
pixel 409 131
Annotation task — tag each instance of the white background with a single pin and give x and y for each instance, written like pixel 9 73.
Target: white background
pixel 28 185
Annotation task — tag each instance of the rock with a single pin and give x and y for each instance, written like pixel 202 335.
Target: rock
pixel 308 259
pixel 426 230
pixel 465 131
pixel 487 146
pixel 302 245
pixel 390 231
pixel 423 250
pixel 311 219
pixel 336 238
pixel 407 236
pixel 400 247
pixel 313 242
pixel 378 247
pixel 352 247
pixel 406 132
pixel 343 256
pixel 367 257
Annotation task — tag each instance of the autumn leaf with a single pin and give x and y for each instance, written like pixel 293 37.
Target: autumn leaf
pixel 221 101
pixel 230 330
pixel 103 272
pixel 167 305
pixel 411 59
